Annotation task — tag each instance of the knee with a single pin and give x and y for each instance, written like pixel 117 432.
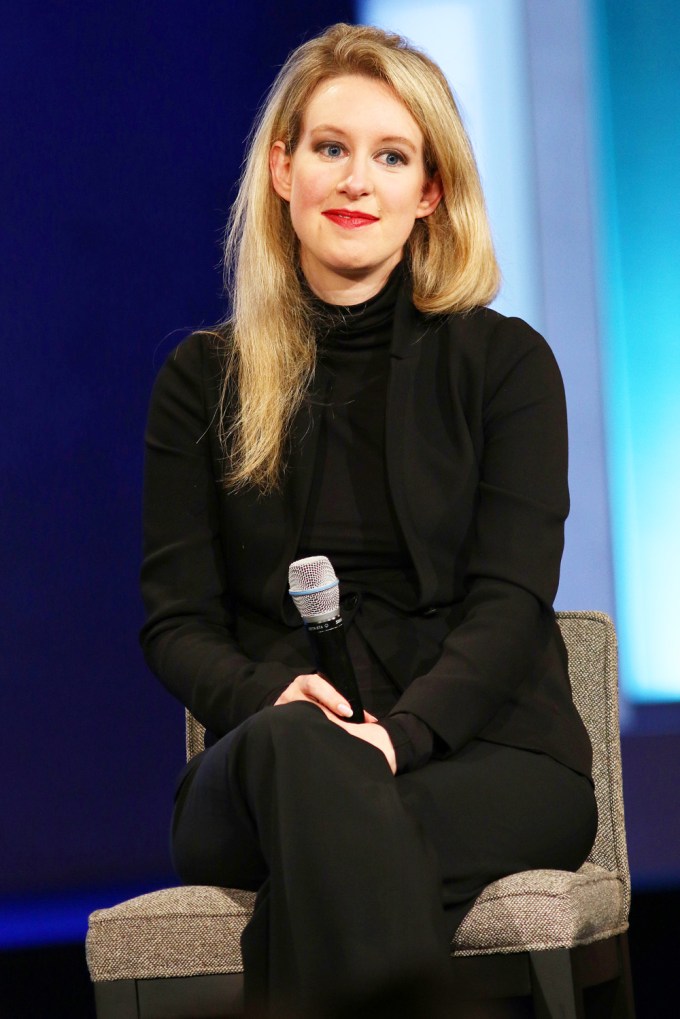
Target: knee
pixel 279 740
pixel 294 721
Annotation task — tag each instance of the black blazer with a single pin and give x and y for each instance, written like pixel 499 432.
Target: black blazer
pixel 477 465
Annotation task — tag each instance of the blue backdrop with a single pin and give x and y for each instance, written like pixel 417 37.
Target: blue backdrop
pixel 127 123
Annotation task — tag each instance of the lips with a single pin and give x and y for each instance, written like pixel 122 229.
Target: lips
pixel 350 219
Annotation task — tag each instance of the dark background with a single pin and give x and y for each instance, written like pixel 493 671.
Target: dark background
pixel 127 123
pixel 123 136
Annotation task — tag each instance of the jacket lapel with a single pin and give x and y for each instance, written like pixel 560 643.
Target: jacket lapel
pixel 410 329
pixel 301 461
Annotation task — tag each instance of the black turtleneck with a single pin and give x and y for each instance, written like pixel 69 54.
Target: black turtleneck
pixel 350 516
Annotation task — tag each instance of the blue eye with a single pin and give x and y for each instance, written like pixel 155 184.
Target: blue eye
pixel 331 149
pixel 393 158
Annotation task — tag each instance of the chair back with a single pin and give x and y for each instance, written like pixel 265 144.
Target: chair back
pixel 590 639
pixel 195 734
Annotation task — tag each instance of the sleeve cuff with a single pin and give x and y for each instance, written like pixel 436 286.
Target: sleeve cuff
pixel 412 739
pixel 273 695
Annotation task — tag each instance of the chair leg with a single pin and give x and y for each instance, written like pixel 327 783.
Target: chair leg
pixel 554 992
pixel 624 1002
pixel 116 999
pixel 212 996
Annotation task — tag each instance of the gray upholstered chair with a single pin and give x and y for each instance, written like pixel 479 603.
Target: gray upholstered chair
pixel 548 934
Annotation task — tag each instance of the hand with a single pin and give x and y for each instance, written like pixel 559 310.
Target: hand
pixel 317 690
pixel 370 733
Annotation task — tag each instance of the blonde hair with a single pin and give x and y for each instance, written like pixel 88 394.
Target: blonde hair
pixel 272 347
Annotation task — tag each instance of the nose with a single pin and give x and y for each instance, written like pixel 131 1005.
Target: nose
pixel 358 180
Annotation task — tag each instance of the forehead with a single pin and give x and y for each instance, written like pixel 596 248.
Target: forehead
pixel 354 101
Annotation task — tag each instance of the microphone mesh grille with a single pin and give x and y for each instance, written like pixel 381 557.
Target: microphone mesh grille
pixel 308 574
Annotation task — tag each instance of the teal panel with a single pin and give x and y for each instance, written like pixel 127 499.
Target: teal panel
pixel 638 77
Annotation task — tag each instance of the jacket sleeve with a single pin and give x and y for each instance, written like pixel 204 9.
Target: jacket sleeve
pixel 188 638
pixel 503 630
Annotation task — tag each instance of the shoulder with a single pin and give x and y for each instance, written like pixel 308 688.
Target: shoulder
pixel 491 360
pixel 482 337
pixel 493 334
pixel 197 364
pixel 202 352
pixel 498 348
pixel 188 387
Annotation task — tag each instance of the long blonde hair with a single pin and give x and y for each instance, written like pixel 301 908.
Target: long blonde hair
pixel 271 347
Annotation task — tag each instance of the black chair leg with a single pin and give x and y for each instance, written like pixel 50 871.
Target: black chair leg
pixel 624 1001
pixel 116 999
pixel 213 996
pixel 554 992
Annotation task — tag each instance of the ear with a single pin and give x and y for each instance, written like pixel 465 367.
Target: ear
pixel 280 168
pixel 433 193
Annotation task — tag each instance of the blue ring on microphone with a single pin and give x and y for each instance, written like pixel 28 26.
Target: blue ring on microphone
pixel 314 590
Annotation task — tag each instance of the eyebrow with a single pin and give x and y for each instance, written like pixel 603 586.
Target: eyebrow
pixel 387 140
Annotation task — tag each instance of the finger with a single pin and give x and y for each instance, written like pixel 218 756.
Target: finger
pixel 301 689
pixel 321 691
pixel 375 735
pixel 295 691
pixel 332 717
pixel 368 717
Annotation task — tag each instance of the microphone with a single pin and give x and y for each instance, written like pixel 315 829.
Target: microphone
pixel 314 588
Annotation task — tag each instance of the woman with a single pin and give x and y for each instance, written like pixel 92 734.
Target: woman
pixel 363 403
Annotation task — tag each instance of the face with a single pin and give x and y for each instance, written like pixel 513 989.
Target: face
pixel 356 184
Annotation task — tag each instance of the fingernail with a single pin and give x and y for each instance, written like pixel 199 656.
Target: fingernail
pixel 344 709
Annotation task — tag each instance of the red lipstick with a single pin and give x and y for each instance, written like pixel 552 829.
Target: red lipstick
pixel 350 219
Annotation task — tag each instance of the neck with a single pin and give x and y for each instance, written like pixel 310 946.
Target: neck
pixel 333 288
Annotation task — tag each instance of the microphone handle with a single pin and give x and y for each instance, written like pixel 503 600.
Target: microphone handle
pixel 333 662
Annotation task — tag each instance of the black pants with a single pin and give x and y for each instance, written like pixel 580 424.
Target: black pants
pixel 363 877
